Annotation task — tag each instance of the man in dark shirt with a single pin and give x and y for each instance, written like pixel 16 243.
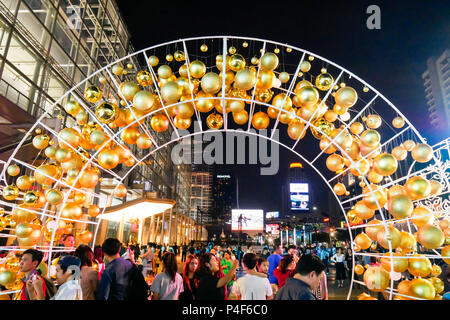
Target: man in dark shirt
pixel 308 274
pixel 116 278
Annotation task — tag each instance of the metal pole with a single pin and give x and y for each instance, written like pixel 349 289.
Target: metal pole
pixel 162 228
pixel 170 227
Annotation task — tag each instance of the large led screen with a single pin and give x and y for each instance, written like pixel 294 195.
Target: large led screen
pixel 299 196
pixel 247 220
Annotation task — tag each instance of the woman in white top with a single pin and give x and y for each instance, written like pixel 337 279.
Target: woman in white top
pixel 67 277
pixel 339 260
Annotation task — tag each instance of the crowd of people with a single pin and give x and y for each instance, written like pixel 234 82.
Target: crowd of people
pixel 131 272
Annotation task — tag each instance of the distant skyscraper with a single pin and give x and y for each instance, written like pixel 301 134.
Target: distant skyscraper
pixel 437 90
pixel 224 194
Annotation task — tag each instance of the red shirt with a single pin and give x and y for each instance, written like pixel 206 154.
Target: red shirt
pixel 281 277
pixel 23 295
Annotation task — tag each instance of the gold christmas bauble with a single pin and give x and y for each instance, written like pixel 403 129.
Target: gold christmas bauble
pixel 409 145
pixel 422 288
pixel 143 141
pixel 144 78
pixel 399 153
pixel 41 141
pixel 339 189
pixel 244 79
pixel 346 97
pixel 445 253
pixel 436 187
pixel 121 191
pixel 376 279
pixel 326 146
pixel 371 200
pixel 236 62
pixel 363 241
pixel 7 278
pixel 181 123
pixel 335 162
pixel 130 135
pixel 330 116
pixel 214 121
pixel 419 266
pixel 117 69
pixel 240 117
pixel 260 120
pixel 400 206
pixel 265 79
pixel 269 61
pixel 97 137
pixel 143 100
pixel 363 211
pixel 82 118
pixel 164 72
pixel 422 152
pixel 438 284
pixel 171 92
pixel 47 174
pixel 69 136
pixel 232 50
pixel 107 112
pixel 373 121
pixel 179 56
pixel 203 48
pixel 85 237
pixel 159 123
pixel 219 60
pixel 356 127
pixel 24 182
pixel 93 210
pixel 153 61
pixel 392 234
pixel 13 170
pixel 399 264
pixel 10 193
pixel 108 159
pixel 204 105
pixel 50 152
pixel 54 197
pixel 197 69
pixel 185 110
pixel 73 107
pixel 431 237
pixel 422 216
pixel 305 66
pixel 418 187
pixel 372 228
pixel 211 83
pixel 359 269
pixel 236 105
pixel 295 129
pixel 408 243
pixel 324 126
pixel 92 94
pixel 398 122
pixel 284 77
pixel 324 81
pixel 385 164
pixel 307 96
pixel 370 138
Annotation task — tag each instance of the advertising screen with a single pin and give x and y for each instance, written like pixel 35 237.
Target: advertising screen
pixel 249 220
pixel 272 214
pixel 273 229
pixel 299 196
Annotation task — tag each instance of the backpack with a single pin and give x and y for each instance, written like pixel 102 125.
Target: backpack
pixel 138 289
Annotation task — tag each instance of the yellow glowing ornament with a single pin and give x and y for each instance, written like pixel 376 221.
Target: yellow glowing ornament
pixel 363 211
pixel 305 66
pixel 153 61
pixel 373 121
pixel 72 108
pixel 117 69
pixel 418 187
pixel 24 183
pixel 269 61
pixel 93 94
pixel 335 162
pixel 204 105
pixel 324 126
pixel 431 237
pixel 385 164
pixel 346 97
pixel 232 50
pixel 159 123
pixel 41 141
pixel 295 129
pixel 398 122
pixel 197 69
pixel 399 153
pixel 203 48
pixel 400 206
pixel 107 112
pixel 10 193
pixel 169 57
pixel 144 78
pixel 324 81
pixel 214 121
pixel 393 234
pixel 409 145
pixel 339 189
pixel 108 159
pixel 284 77
pixel 356 128
pixel 372 228
pixel 260 120
pixel 422 288
pixel 236 62
pixel 171 92
pixel 244 79
pixel 363 241
pixel 422 152
pixel 307 96
pixel 376 279
pixel 211 83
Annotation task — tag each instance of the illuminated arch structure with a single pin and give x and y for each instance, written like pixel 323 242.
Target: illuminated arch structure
pixel 370 109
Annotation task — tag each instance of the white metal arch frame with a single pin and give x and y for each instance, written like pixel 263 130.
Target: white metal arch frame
pixel 114 135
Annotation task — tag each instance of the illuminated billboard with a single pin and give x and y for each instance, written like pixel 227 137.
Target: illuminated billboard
pixel 272 214
pixel 299 196
pixel 273 229
pixel 247 220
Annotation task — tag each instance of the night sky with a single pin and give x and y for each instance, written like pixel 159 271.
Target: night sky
pixel 391 59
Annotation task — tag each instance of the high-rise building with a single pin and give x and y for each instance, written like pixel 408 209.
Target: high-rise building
pixel 224 195
pixel 201 196
pixel 437 90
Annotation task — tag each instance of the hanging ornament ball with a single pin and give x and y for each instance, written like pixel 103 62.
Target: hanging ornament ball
pixel 13 170
pixel 363 241
pixel 422 152
pixel 169 57
pixel 385 164
pixel 339 189
pixel 398 264
pixel 445 253
pixel 419 265
pixel 71 210
pixel 392 234
pixel 418 187
pixel 324 126
pixel 93 94
pixel 164 71
pixel 269 61
pixel 93 210
pixel 260 120
pixel 346 97
pixel 399 153
pixel 107 112
pixel 400 206
pixel 409 145
pixel 288 50
pixel 214 121
pixel 356 128
pixel 236 62
pixel 376 279
pixel 296 130
pixel 143 141
pixel 370 138
pixel 182 123
pixel 85 237
pixel 231 50
pixel 117 69
pixel 422 288
pixel 431 237
pixel 144 78
pixel 373 121
pixel 211 83
pixel 129 89
pixel 305 66
pixel 171 92
pixel 276 50
pixel 436 187
pixel 324 81
pixel 365 89
pixel 41 141
pixel 372 228
pixel 398 122
pixel 7 277
pixel 153 61
pixel 244 79
pixel 197 69
pixel 203 48
pixel 245 44
pixel 284 77
pixel 359 269
pixel 72 107
pixel 24 182
pixel 10 193
pixel 108 159
pixel 422 216
pixel 363 211
pixel 179 56
pixel 307 96
pixel 159 123
pixel 240 117
pixel 335 162
pixel 121 191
